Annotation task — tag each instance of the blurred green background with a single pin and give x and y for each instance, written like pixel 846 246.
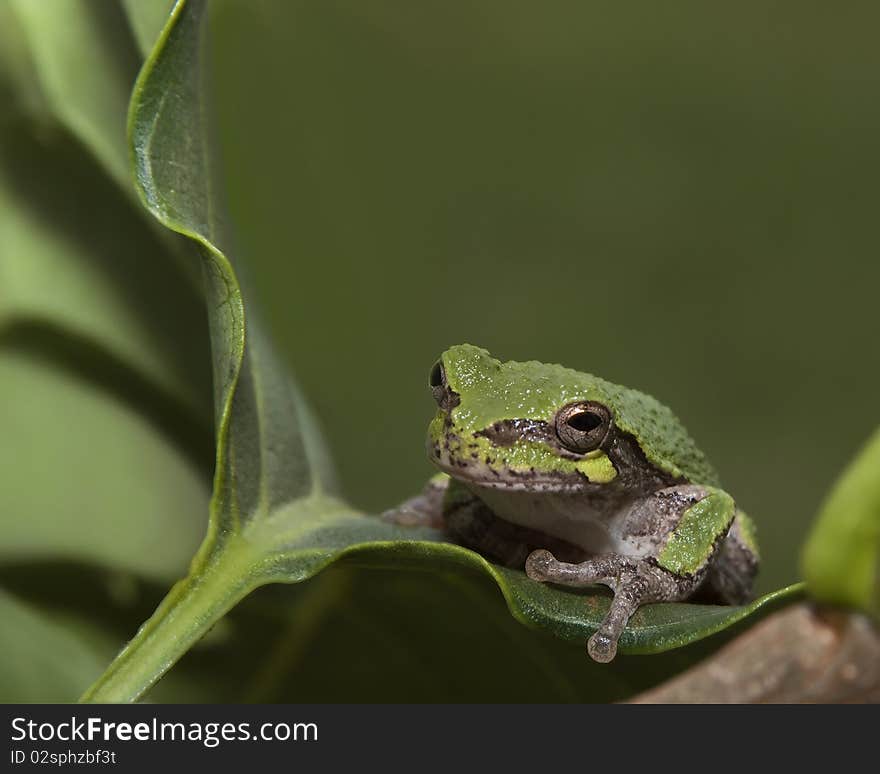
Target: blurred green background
pixel 681 198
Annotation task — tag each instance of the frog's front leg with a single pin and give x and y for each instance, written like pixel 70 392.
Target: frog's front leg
pixel 634 583
pixel 672 570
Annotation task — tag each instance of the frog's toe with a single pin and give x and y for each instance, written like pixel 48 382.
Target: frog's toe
pixel 538 564
pixel 602 647
pixel 404 516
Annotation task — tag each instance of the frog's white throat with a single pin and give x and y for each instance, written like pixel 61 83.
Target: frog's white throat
pixel 594 522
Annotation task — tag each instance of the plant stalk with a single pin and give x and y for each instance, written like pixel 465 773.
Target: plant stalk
pixel 186 614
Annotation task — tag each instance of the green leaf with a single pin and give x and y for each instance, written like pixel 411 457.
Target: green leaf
pixel 274 514
pixel 571 615
pixel 19 82
pixel 85 65
pixel 462 646
pixel 841 560
pixel 87 478
pixel 77 262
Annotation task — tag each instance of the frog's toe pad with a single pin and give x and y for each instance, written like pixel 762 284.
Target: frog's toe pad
pixel 602 647
pixel 538 564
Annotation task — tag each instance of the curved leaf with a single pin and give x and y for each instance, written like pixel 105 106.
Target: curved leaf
pixel 95 481
pixel 85 64
pixel 273 515
pixel 77 261
pixel 568 614
pixel 170 134
pixel 841 560
pixel 462 645
pixel 19 82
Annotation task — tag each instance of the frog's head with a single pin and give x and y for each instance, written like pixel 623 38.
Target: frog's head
pixel 548 428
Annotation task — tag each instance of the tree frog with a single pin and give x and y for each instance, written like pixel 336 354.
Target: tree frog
pixel 579 481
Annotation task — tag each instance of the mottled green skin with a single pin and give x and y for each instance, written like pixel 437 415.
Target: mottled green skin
pixel 491 390
pixel 748 533
pixel 699 528
pixel 546 462
pixel 488 391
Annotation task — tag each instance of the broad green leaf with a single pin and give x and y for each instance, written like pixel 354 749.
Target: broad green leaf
pixel 462 646
pixel 18 76
pixel 280 645
pixel 274 517
pixel 841 560
pixel 76 259
pixel 412 631
pixel 570 615
pixel 85 64
pixel 87 478
pixel 71 65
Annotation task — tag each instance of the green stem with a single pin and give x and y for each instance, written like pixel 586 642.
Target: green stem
pixel 186 614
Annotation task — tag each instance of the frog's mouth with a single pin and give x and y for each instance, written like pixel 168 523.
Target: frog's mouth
pixel 471 468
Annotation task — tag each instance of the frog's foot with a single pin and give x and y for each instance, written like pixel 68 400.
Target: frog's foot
pixel 423 510
pixel 634 582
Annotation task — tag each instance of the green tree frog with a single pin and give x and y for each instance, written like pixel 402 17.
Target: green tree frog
pixel 579 481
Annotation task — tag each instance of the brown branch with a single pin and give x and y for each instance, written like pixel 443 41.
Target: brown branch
pixel 800 654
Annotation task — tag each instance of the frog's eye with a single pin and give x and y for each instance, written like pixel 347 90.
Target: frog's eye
pixel 445 397
pixel 582 427
pixel 437 377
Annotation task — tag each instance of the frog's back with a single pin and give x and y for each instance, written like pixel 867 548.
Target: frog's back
pixel 661 435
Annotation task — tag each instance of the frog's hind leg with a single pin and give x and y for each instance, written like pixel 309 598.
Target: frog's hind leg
pixel 634 583
pixel 423 510
pixel 732 574
pixel 675 570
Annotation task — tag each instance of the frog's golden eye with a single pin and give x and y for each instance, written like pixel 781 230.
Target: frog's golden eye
pixel 582 427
